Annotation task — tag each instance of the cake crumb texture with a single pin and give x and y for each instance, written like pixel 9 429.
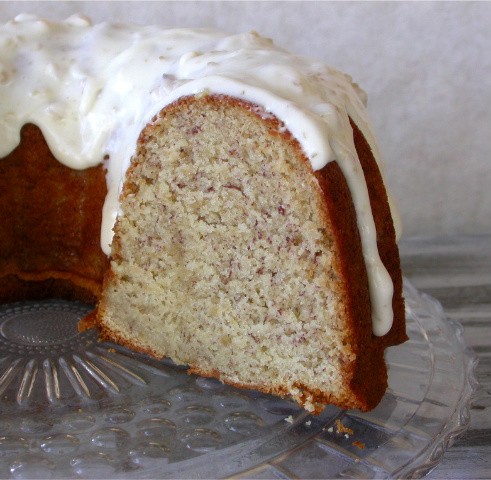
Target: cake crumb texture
pixel 225 259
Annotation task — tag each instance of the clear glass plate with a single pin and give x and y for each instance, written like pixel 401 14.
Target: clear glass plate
pixel 73 407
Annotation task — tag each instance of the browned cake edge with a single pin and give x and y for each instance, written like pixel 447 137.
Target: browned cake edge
pixel 50 216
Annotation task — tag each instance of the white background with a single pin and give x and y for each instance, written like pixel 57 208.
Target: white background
pixel 425 66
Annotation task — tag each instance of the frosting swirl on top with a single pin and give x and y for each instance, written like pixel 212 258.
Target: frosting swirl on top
pixel 92 88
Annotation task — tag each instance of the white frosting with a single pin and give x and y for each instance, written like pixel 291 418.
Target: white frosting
pixel 92 89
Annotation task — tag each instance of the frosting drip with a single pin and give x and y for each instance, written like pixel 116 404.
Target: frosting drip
pixel 92 88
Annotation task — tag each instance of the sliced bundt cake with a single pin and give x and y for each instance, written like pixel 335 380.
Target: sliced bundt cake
pixel 219 198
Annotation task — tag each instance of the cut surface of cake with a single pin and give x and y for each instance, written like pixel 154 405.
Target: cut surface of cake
pixel 221 199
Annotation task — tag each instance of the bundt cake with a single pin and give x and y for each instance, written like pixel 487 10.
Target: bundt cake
pixel 219 199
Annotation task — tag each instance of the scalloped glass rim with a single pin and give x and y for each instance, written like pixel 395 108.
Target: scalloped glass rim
pixel 97 410
pixel 455 421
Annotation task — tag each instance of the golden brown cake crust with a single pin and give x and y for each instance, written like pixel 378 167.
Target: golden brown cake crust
pixel 369 378
pixel 50 217
pixel 386 238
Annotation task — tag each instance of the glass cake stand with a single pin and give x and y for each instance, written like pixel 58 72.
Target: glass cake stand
pixel 71 407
